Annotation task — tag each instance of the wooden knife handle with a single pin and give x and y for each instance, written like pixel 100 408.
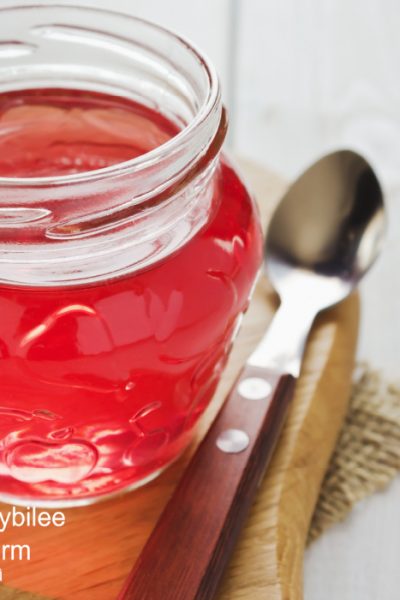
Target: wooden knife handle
pixel 188 550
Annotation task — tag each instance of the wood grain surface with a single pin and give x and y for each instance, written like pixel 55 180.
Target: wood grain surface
pixel 91 556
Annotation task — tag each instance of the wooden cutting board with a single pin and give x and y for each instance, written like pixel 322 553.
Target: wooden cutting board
pixel 91 556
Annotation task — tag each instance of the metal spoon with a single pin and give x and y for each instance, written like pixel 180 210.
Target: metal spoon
pixel 325 234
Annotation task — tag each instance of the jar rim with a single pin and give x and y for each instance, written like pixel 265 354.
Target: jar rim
pixel 152 157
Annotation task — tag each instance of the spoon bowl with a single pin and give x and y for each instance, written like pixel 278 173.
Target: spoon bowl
pixel 327 230
pixel 325 234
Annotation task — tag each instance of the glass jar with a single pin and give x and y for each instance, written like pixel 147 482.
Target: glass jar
pixel 121 288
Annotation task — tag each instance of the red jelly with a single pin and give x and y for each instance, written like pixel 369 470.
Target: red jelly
pixel 116 322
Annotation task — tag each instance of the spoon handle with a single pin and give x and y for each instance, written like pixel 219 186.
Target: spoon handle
pixel 189 548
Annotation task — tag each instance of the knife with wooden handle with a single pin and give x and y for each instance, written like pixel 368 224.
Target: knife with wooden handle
pixel 194 537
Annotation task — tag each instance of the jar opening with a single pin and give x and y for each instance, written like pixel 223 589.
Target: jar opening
pixel 101 223
pixel 122 55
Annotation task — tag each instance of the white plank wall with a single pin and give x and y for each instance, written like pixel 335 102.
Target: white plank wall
pixel 303 77
pixel 314 74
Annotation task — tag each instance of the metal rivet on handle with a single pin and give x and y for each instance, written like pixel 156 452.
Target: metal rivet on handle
pixel 254 388
pixel 233 441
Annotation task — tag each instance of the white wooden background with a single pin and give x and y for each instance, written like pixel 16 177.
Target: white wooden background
pixel 302 77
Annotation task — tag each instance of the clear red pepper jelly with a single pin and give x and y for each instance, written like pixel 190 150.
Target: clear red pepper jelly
pixel 116 329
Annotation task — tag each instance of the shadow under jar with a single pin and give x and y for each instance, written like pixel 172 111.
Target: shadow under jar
pixel 128 250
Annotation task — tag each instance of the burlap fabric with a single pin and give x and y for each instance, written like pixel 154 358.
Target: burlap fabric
pixel 367 455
